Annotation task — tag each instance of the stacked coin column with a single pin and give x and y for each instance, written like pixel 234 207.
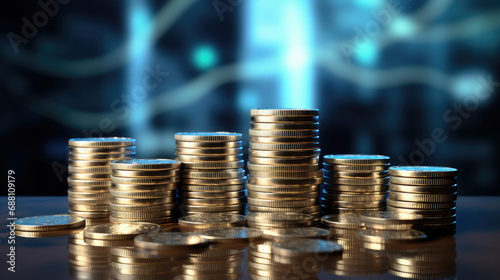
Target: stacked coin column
pixel 354 183
pixel 89 173
pixel 425 190
pixel 284 173
pixel 143 190
pixel 212 175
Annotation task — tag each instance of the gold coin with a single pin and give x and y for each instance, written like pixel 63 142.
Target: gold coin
pixel 296 233
pixel 141 201
pixel 226 235
pixel 284 147
pixel 140 215
pixel 279 219
pixel 198 158
pixel 283 160
pixel 116 150
pixel 423 171
pixel 88 208
pixel 438 197
pixel 423 181
pixel 159 221
pixel 282 190
pixel 348 174
pixel 212 188
pixel 284 112
pixel 423 189
pixel 285 126
pixel 90 170
pixel 212 220
pixel 102 142
pixel 344 221
pixel 208 136
pixel 89 183
pixel 440 220
pixel 90 214
pixel 351 210
pixel 282 203
pixel 285 119
pixel 51 233
pixel 119 232
pixel 284 133
pixel 49 222
pixel 420 205
pixel 142 207
pixel 212 201
pixel 170 240
pixel 88 163
pixel 305 247
pixel 390 236
pixel 353 204
pixel 213 165
pixel 145 181
pixel 284 182
pixel 283 168
pixel 219 174
pixel 238 212
pixel 286 175
pixel 355 168
pixel 283 196
pixel 283 140
pixel 287 153
pixel 145 164
pixel 214 181
pixel 425 213
pixel 106 157
pixel 354 197
pixel 88 201
pixel 307 210
pixel 355 181
pixel 133 188
pixel 212 208
pixel 155 174
pixel 208 145
pixel 141 194
pixel 355 188
pixel 210 152
pixel 82 176
pixel 88 195
pixel 356 159
pixel 225 194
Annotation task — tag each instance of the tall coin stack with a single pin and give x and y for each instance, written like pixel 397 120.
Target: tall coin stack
pixel 354 183
pixel 425 190
pixel 143 190
pixel 284 173
pixel 89 173
pixel 212 175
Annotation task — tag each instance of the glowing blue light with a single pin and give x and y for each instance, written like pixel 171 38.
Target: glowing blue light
pixel 205 57
pixel 466 84
pixel 369 3
pixel 367 54
pixel 403 27
pixel 247 99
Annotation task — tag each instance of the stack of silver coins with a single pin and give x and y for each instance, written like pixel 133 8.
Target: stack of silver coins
pixel 143 190
pixel 354 183
pixel 284 173
pixel 212 175
pixel 425 190
pixel 89 173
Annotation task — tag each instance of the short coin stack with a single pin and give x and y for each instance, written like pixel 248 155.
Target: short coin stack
pixel 143 190
pixel 89 173
pixel 354 183
pixel 284 173
pixel 212 175
pixel 425 190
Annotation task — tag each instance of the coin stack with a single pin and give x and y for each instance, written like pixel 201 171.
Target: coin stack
pixel 86 261
pixel 426 190
pixel 354 183
pixel 212 175
pixel 284 173
pixel 89 173
pixel 143 190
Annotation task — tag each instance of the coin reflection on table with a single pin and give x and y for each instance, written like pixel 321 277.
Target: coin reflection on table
pixel 86 261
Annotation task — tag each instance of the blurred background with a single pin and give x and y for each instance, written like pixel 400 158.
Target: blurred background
pixel 415 80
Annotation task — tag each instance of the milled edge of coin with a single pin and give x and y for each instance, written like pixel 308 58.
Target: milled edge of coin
pixel 284 112
pixel 423 171
pixel 356 159
pixel 221 136
pixel 102 142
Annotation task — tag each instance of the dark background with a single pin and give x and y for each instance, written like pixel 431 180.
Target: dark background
pixel 381 86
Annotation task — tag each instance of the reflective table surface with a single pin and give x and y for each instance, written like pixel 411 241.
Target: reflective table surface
pixel 472 253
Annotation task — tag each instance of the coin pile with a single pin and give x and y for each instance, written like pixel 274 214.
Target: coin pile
pixel 89 173
pixel 143 190
pixel 86 261
pixel 354 183
pixel 425 190
pixel 284 173
pixel 212 175
pixel 354 262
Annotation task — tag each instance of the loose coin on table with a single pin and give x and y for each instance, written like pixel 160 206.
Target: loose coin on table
pixel 295 233
pixel 170 240
pixel 345 221
pixel 49 222
pixel 237 234
pixel 305 247
pixel 119 231
pixel 212 220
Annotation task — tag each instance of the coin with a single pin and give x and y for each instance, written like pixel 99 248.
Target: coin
pixel 141 207
pixel 208 136
pixel 102 142
pixel 82 176
pixel 142 194
pixel 286 153
pixel 209 152
pixel 283 160
pixel 145 164
pixel 49 222
pixel 287 175
pixel 283 196
pixel 276 190
pixel 444 197
pixel 295 233
pixel 355 181
pixel 284 112
pixel 305 247
pixel 420 205
pixel 238 234
pixel 213 164
pixel 50 233
pixel 308 209
pixel 87 163
pixel 423 181
pixel 283 140
pixel 91 169
pixel 347 221
pixel 350 174
pixel 389 236
pixel 119 232
pixel 106 157
pixel 376 196
pixel 282 203
pixel 153 174
pixel 279 219
pixel 219 174
pixel 143 188
pixel 212 188
pixel 283 168
pixel 216 182
pixel 284 133
pixel 208 145
pixel 141 201
pixel 88 183
pixel 386 220
pixel 355 168
pixel 423 171
pixel 226 194
pixel 170 240
pixel 355 188
pixel 356 159
pixel 159 221
pixel 115 150
pixel 79 207
pixel 89 214
pixel 144 181
pixel 88 194
pixel 210 158
pixel 141 215
pixel 212 208
pixel 212 201
pixel 285 119
pixel 214 220
pixel 352 204
pixel 88 201
pixel 284 182
pixel 423 189
pixel 425 213
pixel 284 146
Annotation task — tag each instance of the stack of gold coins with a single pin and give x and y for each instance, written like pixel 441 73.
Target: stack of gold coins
pixel 354 183
pixel 212 175
pixel 284 173
pixel 89 173
pixel 426 190
pixel 143 190
pixel 86 261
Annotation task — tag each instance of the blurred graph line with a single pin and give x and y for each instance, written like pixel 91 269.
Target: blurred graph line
pixel 431 10
pixel 87 67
